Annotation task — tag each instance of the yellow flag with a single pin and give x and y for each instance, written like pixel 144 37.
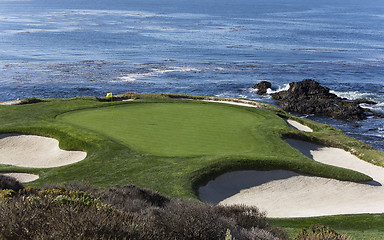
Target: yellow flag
pixel 109 95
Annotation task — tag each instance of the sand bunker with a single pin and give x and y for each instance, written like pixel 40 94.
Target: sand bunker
pixel 22 177
pixel 13 102
pixel 298 126
pixel 238 102
pixel 287 194
pixel 35 151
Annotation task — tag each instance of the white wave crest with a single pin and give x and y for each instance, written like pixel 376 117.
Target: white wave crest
pixel 279 89
pixel 128 78
pixel 352 95
pixel 155 72
pixel 379 108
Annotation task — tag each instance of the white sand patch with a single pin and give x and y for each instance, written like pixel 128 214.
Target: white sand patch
pixel 338 157
pixel 238 102
pixel 13 102
pixel 287 194
pixel 35 151
pixel 22 177
pixel 299 126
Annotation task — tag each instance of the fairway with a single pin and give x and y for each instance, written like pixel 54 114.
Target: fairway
pixel 175 129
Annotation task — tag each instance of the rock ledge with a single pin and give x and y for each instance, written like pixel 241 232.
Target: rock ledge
pixel 309 97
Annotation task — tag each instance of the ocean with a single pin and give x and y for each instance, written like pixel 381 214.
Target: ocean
pixel 51 48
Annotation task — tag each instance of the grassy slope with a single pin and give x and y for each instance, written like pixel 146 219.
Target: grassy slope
pixel 111 162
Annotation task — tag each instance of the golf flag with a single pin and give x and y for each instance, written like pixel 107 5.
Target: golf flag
pixel 109 95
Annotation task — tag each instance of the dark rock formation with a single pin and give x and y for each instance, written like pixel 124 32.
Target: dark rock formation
pixel 262 87
pixel 308 97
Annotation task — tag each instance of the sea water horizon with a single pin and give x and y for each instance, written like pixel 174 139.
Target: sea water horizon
pixel 211 48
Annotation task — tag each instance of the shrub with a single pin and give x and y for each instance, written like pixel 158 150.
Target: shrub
pixel 7 182
pixel 184 219
pixel 31 100
pixel 132 198
pixel 41 218
pixel 247 217
pixel 320 232
pixel 84 212
pixel 6 194
pixel 252 219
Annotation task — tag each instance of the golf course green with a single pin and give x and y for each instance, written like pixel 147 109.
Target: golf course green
pixel 181 129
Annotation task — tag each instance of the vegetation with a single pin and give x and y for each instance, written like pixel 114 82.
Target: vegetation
pixel 84 212
pixel 143 142
pixel 10 183
pixel 358 226
pixel 317 231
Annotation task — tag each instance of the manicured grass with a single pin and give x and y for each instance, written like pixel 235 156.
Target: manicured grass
pixel 179 129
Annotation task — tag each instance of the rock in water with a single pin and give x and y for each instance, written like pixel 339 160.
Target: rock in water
pixel 262 87
pixel 309 97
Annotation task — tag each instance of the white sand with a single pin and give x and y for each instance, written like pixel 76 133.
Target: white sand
pixel 22 177
pixel 287 194
pixel 238 102
pixel 35 151
pixel 299 126
pixel 13 102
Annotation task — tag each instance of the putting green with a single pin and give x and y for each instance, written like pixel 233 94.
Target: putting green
pixel 176 129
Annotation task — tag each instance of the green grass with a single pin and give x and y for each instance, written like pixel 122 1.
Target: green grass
pixel 180 129
pixel 172 145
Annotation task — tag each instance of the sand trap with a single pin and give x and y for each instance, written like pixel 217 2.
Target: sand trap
pixel 35 151
pixel 299 126
pixel 287 194
pixel 238 102
pixel 22 177
pixel 13 102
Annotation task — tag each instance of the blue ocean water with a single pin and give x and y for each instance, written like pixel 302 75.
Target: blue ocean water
pixel 70 48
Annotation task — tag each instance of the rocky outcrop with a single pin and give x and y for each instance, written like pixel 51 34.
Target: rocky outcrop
pixel 262 87
pixel 309 97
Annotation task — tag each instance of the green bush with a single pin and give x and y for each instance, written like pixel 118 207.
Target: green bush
pixel 320 232
pixel 31 100
pixel 7 182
